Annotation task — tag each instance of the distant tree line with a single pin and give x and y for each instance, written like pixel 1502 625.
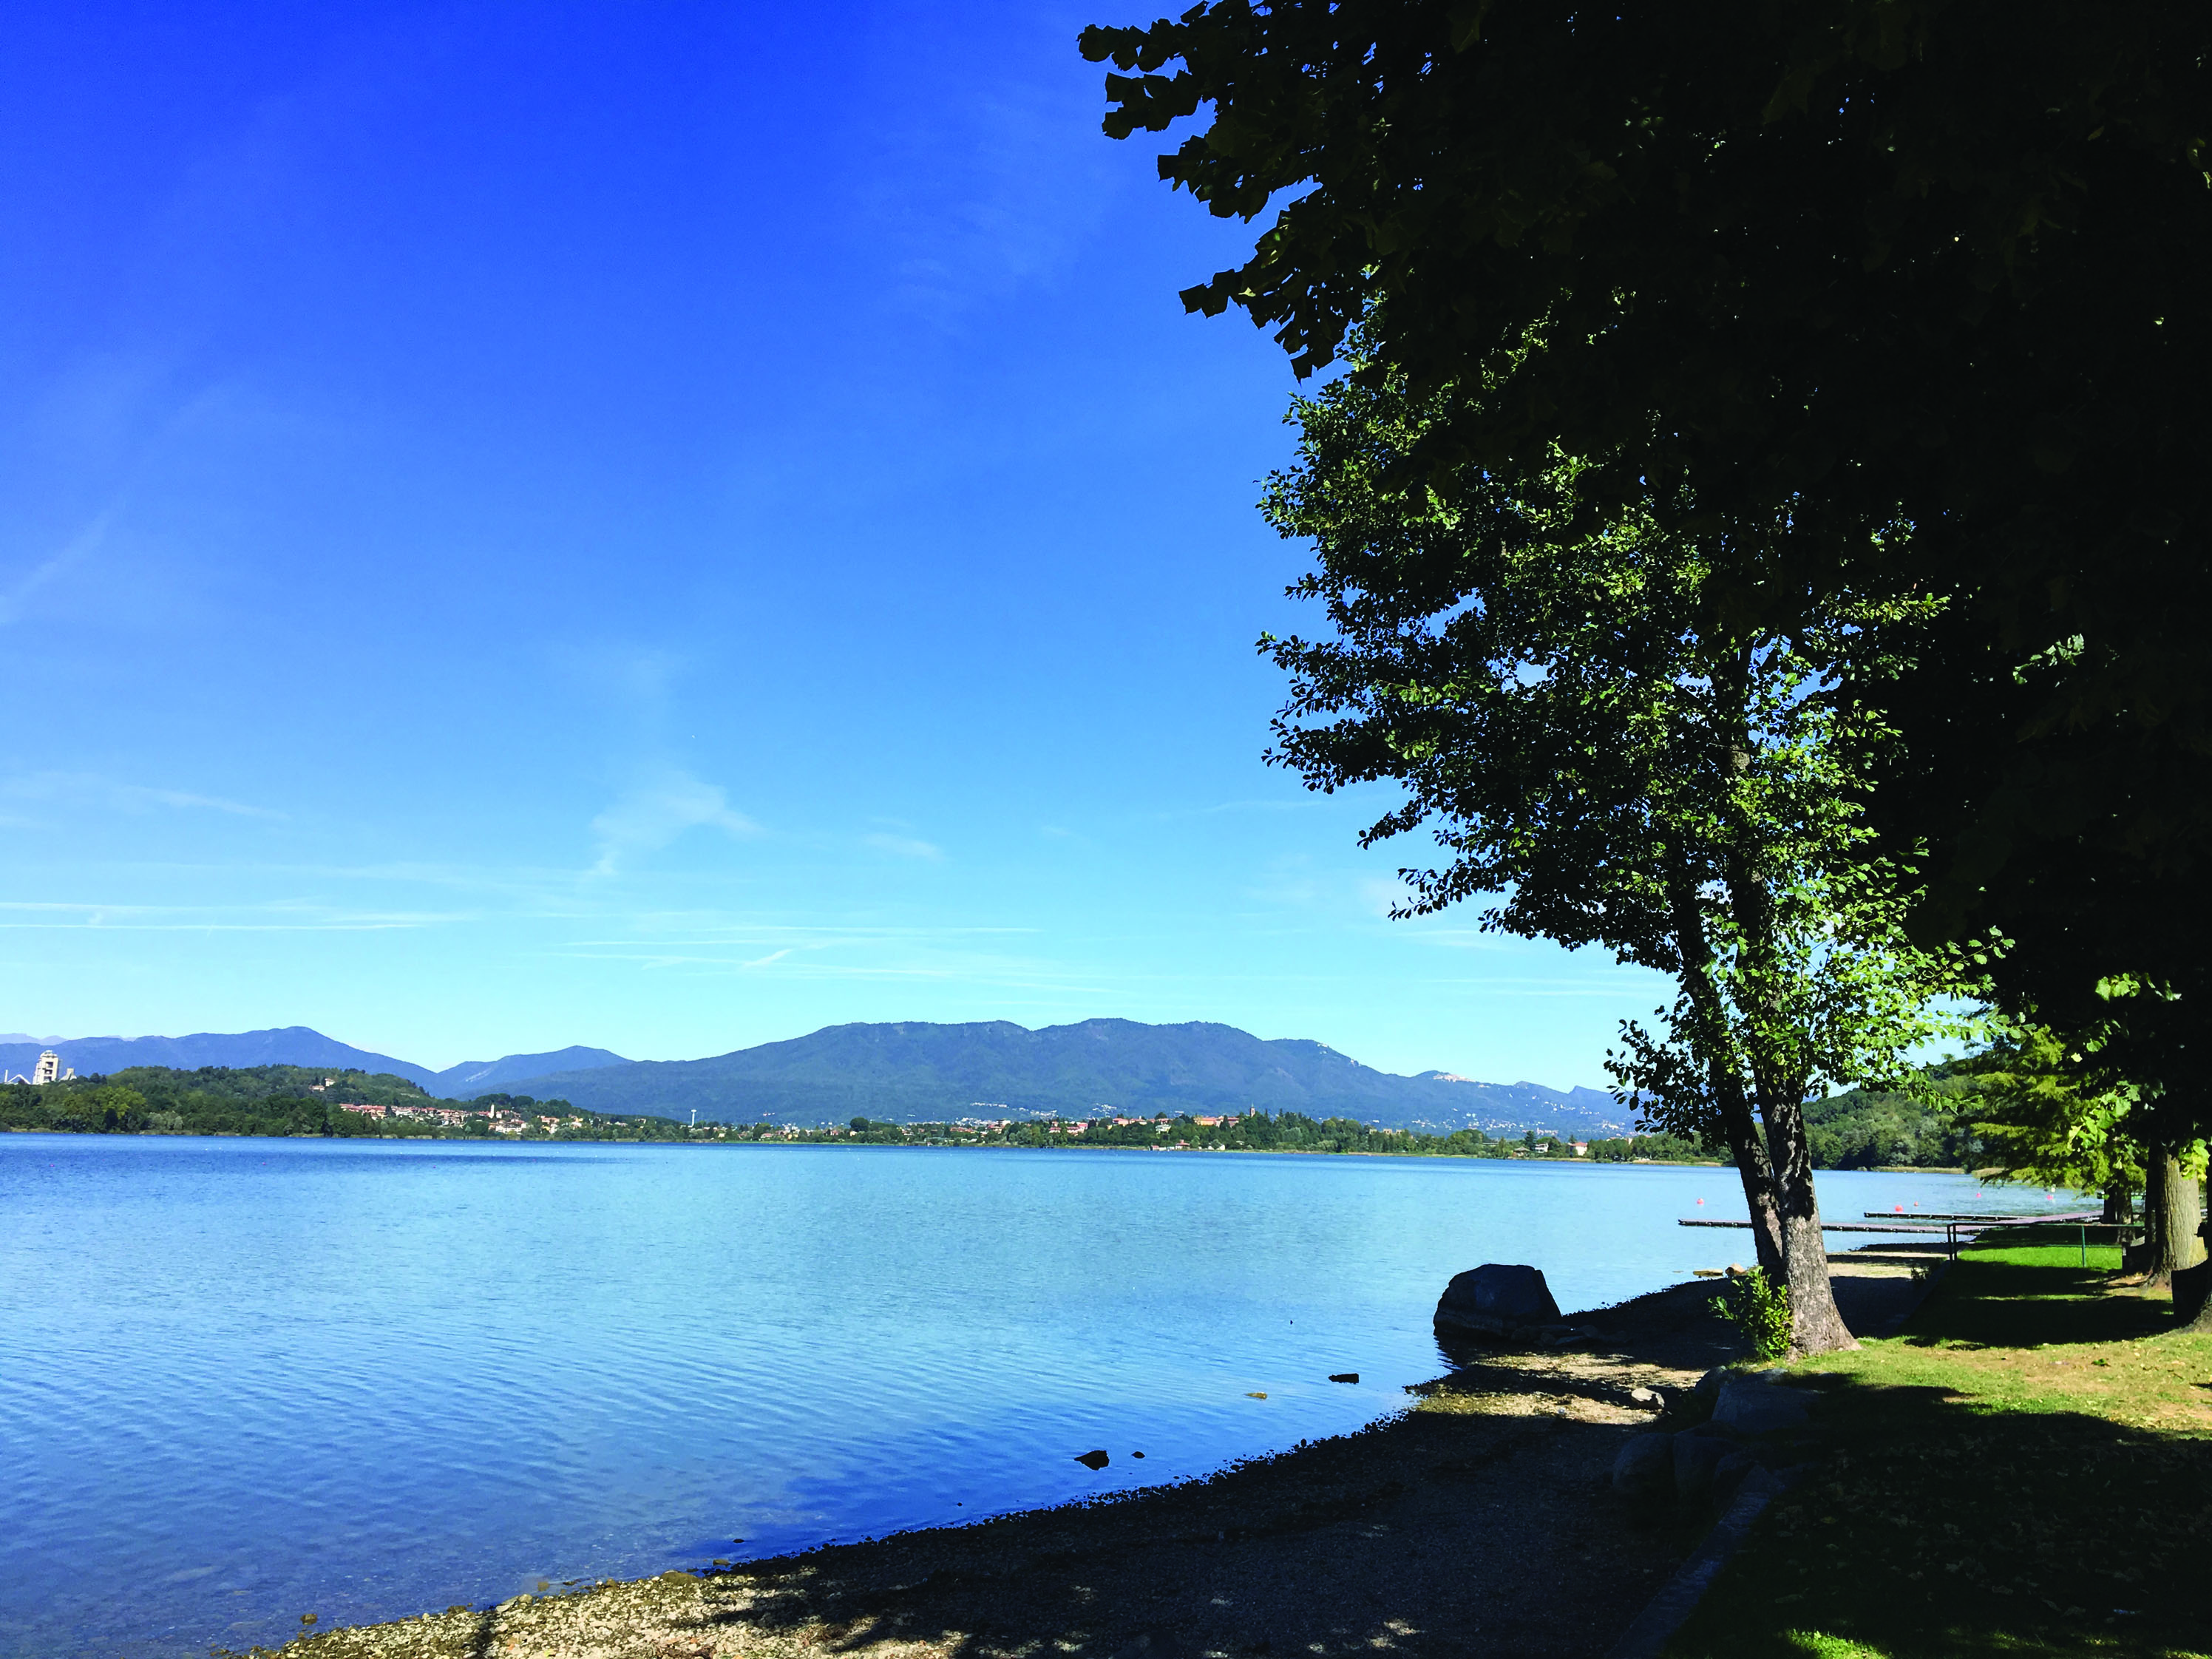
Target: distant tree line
pixel 294 1100
pixel 1245 1132
pixel 1858 1130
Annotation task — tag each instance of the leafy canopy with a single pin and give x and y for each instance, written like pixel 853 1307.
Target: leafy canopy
pixel 1601 753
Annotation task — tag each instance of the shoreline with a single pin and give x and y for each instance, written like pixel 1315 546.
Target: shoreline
pixel 1071 1147
pixel 1480 1516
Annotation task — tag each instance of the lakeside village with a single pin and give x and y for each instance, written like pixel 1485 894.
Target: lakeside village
pixel 296 1101
pixel 1254 1131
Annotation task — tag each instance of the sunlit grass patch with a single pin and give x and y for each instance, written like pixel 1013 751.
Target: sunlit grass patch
pixel 1815 1645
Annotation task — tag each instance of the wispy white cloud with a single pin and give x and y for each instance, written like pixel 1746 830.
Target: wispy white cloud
pixel 652 813
pixel 87 789
pixel 906 847
pixel 21 915
pixel 15 598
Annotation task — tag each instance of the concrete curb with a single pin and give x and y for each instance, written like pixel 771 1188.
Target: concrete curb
pixel 1680 1596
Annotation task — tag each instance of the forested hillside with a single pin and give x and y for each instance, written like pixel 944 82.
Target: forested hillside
pixel 1864 1130
pixel 1856 1130
pixel 294 1100
pixel 920 1073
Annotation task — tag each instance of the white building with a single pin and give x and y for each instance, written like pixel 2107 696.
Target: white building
pixel 48 1068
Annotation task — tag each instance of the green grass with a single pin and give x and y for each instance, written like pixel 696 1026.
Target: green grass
pixel 2027 1469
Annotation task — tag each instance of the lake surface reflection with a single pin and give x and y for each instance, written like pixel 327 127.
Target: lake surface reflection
pixel 241 1381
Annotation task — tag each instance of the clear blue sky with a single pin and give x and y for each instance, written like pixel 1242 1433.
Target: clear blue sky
pixel 663 527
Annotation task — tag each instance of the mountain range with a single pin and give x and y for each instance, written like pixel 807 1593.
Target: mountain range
pixel 287 1045
pixel 912 1072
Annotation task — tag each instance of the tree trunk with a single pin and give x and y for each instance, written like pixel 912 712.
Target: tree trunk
pixel 2181 1221
pixel 2161 1215
pixel 2119 1202
pixel 1756 1171
pixel 1816 1325
pixel 1723 1080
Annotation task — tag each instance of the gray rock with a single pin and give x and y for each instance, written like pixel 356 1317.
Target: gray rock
pixel 1563 1336
pixel 1651 1399
pixel 1709 1387
pixel 1728 1474
pixel 1497 1299
pixel 1696 1457
pixel 1753 1407
pixel 1645 1467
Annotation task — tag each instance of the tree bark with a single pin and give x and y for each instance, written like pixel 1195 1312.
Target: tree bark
pixel 2119 1202
pixel 2184 1217
pixel 1816 1324
pixel 1723 1080
pixel 2156 1259
pixel 1754 1169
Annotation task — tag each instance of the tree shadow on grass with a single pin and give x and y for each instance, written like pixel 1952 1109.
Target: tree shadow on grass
pixel 1962 1520
pixel 1941 1530
pixel 2003 1305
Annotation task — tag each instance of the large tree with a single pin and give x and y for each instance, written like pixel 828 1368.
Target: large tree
pixel 1601 748
pixel 1801 272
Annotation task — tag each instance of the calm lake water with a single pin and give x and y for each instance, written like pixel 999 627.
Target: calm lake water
pixel 245 1380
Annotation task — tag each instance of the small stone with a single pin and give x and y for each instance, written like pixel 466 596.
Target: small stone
pixel 1136 1454
pixel 1651 1399
pixel 1255 1396
pixel 1093 1459
pixel 1344 1377
pixel 306 1617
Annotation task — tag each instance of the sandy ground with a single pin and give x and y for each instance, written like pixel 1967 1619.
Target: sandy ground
pixel 1480 1521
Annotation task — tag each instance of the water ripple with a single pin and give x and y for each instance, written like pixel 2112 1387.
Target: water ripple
pixel 240 1380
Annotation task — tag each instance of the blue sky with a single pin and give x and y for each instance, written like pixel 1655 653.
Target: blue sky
pixel 663 527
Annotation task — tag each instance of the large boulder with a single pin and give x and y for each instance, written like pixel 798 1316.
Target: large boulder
pixel 1645 1469
pixel 1750 1407
pixel 1697 1457
pixel 1497 1299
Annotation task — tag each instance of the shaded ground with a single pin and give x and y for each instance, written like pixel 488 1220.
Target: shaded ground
pixel 1480 1522
pixel 2027 1469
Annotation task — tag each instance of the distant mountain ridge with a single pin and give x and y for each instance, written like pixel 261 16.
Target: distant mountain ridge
pixel 286 1045
pixel 484 1075
pixel 914 1071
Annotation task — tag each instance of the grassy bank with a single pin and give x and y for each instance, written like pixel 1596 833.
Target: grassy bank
pixel 2027 1469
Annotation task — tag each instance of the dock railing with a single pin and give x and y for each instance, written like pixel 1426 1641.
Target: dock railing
pixel 1953 1228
